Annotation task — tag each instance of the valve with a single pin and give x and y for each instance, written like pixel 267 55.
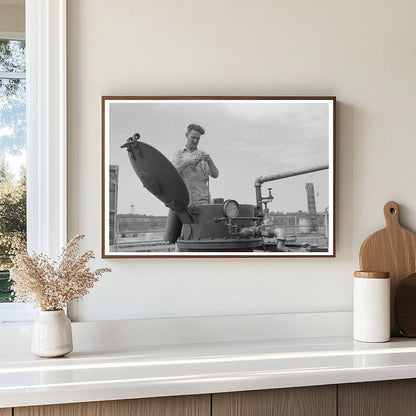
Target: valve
pixel 232 228
pixel 266 200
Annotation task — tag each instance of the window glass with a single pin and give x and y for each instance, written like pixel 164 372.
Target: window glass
pixel 12 55
pixel 12 155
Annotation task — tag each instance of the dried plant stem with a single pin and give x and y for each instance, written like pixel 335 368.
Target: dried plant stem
pixel 53 285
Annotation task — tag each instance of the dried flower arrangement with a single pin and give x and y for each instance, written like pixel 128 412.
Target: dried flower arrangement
pixel 52 285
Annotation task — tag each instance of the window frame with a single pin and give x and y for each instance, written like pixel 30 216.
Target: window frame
pixel 46 126
pixel 12 35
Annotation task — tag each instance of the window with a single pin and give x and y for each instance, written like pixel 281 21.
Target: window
pixel 12 166
pixel 12 154
pixel 45 134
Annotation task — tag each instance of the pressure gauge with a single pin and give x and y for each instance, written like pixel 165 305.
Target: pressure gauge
pixel 230 208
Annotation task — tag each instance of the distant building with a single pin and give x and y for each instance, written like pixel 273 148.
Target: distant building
pixel 310 195
pixel 113 197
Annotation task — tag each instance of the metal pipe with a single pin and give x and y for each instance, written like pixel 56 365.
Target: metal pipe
pixel 236 218
pixel 262 179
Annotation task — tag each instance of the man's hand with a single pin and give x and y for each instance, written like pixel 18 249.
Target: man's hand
pixel 207 158
pixel 194 163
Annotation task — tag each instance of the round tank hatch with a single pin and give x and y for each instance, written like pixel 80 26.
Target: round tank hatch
pixel 157 174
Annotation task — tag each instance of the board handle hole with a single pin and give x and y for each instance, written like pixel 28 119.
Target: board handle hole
pixel 392 211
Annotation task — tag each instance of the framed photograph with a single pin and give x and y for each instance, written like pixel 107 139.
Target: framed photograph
pixel 218 177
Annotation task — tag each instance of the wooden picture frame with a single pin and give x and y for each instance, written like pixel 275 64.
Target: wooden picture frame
pixel 187 176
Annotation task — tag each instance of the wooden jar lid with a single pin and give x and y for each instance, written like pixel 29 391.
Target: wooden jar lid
pixel 372 275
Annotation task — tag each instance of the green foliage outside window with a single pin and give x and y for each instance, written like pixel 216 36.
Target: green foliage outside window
pixel 12 223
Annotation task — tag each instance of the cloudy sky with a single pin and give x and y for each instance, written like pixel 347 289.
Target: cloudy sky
pixel 245 139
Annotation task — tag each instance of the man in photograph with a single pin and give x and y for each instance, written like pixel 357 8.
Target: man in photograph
pixel 195 166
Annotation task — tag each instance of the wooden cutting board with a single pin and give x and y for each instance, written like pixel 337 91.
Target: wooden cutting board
pixel 393 250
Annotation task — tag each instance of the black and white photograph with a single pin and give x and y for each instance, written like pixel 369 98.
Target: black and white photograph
pixel 218 176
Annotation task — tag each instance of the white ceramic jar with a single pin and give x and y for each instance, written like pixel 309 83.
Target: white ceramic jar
pixel 52 334
pixel 371 307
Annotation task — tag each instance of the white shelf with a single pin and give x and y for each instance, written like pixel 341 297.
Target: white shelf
pixel 150 371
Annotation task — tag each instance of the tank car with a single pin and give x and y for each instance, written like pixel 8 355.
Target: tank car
pixel 224 225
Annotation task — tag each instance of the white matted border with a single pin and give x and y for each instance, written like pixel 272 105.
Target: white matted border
pixel 107 101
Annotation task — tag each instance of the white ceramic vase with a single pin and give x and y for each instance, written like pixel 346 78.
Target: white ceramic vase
pixel 52 334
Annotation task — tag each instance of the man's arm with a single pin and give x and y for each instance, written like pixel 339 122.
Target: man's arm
pixel 213 170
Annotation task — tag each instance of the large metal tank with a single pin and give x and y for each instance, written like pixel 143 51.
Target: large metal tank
pixel 213 227
pixel 213 231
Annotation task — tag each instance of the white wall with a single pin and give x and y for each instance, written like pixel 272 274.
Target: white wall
pixel 361 51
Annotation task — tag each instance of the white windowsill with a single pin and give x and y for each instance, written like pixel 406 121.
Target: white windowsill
pixel 16 313
pixel 94 336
